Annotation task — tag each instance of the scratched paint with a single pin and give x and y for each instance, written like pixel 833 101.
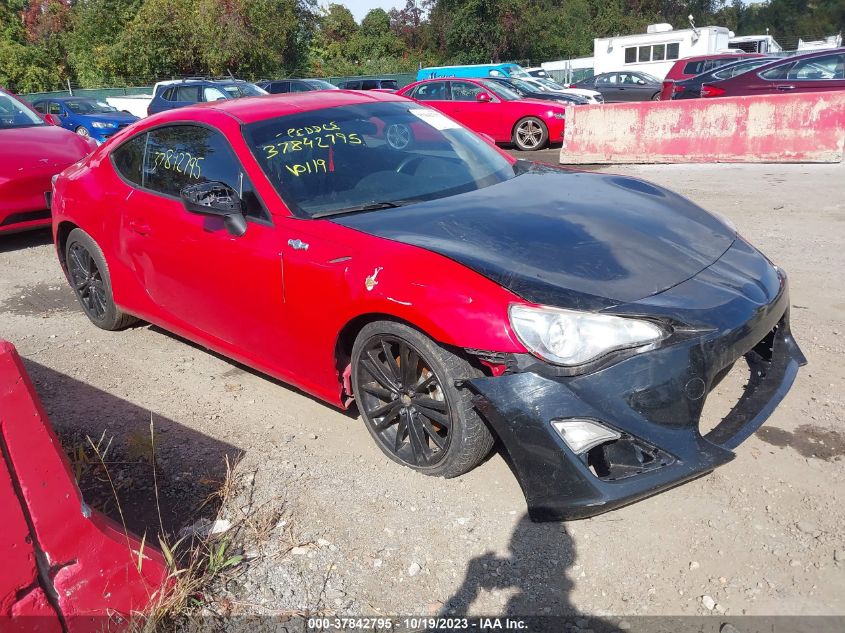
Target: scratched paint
pixel 807 127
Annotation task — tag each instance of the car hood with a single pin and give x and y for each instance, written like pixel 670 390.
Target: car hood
pixel 564 238
pixel 39 147
pixel 108 117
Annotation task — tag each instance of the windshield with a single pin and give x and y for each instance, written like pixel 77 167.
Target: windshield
pixel 89 107
pixel 15 114
pixel 742 67
pixel 522 86
pixel 371 156
pixel 500 90
pixel 548 83
pixel 516 71
pixel 320 84
pixel 243 90
pixel 650 78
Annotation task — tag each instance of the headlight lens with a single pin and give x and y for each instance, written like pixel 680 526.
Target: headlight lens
pixel 102 125
pixel 569 337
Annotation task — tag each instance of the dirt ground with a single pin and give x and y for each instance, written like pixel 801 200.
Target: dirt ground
pixel 334 527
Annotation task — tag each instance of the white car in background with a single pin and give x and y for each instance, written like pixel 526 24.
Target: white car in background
pixel 548 85
pixel 137 104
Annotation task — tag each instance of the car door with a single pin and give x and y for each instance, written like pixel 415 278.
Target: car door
pixel 608 86
pixel 57 110
pixel 207 283
pixel 481 116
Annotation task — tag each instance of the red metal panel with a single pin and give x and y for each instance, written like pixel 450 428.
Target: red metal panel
pixel 92 564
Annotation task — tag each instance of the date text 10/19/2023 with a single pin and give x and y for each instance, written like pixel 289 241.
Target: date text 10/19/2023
pixel 411 623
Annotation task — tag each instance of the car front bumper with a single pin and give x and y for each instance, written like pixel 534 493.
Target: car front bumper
pixel 735 310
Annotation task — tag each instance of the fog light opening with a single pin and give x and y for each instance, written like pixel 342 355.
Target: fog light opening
pixel 623 458
pixel 581 434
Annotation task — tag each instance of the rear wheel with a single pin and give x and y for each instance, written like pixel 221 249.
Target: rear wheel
pixel 404 384
pixel 530 134
pixel 89 276
pixel 655 96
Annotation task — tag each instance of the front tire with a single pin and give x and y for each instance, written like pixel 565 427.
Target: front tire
pixel 83 131
pixel 404 384
pixel 530 134
pixel 89 277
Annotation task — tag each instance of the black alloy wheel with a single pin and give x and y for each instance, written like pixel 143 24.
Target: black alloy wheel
pixel 405 387
pixel 404 402
pixel 88 275
pixel 87 281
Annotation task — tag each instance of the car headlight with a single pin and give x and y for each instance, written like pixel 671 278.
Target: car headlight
pixel 570 337
pixel 102 125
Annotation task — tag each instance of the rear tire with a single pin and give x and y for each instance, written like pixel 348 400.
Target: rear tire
pixel 89 277
pixel 404 384
pixel 530 134
pixel 655 96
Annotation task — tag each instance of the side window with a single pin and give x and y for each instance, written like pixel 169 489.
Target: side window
pixel 778 72
pixel 169 94
pixel 353 85
pixel 279 87
pixel 369 84
pixel 55 108
pixel 190 94
pixel 128 159
pixel 182 155
pixel 465 91
pixel 434 91
pixel 603 80
pixel 41 107
pixel 298 86
pixel 819 68
pixel 210 93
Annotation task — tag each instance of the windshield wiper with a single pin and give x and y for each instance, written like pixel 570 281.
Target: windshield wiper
pixel 372 206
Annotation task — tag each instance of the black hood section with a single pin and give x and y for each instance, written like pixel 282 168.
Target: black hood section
pixel 564 238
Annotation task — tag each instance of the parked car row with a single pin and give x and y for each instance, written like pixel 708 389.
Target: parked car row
pixel 754 74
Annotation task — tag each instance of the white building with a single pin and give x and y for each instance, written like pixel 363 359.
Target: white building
pixel 655 52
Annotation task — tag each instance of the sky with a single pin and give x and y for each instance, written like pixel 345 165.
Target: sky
pixel 360 8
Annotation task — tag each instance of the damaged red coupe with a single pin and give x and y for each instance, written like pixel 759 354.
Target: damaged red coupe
pixel 452 292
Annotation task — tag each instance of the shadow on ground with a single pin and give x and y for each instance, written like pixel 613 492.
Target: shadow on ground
pixel 535 574
pixel 189 466
pixel 27 239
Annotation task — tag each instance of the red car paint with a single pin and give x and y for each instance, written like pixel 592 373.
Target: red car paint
pixel 684 68
pixel 29 158
pixel 495 118
pixel 255 298
pixel 767 79
pixel 61 560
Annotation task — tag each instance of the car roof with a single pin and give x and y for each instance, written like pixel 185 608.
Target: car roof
pixel 252 109
pixel 792 58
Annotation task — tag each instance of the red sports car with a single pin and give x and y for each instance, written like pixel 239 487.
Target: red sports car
pixel 449 290
pixel 491 108
pixel 31 153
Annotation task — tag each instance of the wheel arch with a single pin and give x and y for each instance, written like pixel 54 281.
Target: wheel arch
pixel 62 233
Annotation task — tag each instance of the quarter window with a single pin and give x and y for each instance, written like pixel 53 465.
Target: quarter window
pixel 128 159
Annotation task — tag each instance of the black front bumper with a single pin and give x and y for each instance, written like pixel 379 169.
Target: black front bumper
pixel 736 309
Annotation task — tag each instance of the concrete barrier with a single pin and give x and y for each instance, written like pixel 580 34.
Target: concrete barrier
pixel 65 568
pixel 782 128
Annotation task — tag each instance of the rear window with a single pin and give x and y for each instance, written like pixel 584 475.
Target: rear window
pixel 390 84
pixel 703 65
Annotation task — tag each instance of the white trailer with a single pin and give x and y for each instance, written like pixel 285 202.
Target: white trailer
pixel 655 51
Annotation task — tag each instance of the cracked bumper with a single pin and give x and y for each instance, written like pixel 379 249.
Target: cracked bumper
pixel 740 308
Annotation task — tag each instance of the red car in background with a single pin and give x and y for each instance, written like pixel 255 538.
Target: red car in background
pixel 692 66
pixel 818 71
pixel 490 108
pixel 31 152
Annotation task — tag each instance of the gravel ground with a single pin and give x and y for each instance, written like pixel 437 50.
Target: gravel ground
pixel 334 527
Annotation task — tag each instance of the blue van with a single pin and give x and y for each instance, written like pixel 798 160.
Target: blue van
pixel 475 70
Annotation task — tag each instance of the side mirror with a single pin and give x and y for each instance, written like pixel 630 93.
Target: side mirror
pixel 52 119
pixel 218 199
pixel 482 97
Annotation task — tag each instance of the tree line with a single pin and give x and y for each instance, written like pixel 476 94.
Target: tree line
pixel 94 43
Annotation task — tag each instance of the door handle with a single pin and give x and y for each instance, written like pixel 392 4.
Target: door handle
pixel 786 87
pixel 139 227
